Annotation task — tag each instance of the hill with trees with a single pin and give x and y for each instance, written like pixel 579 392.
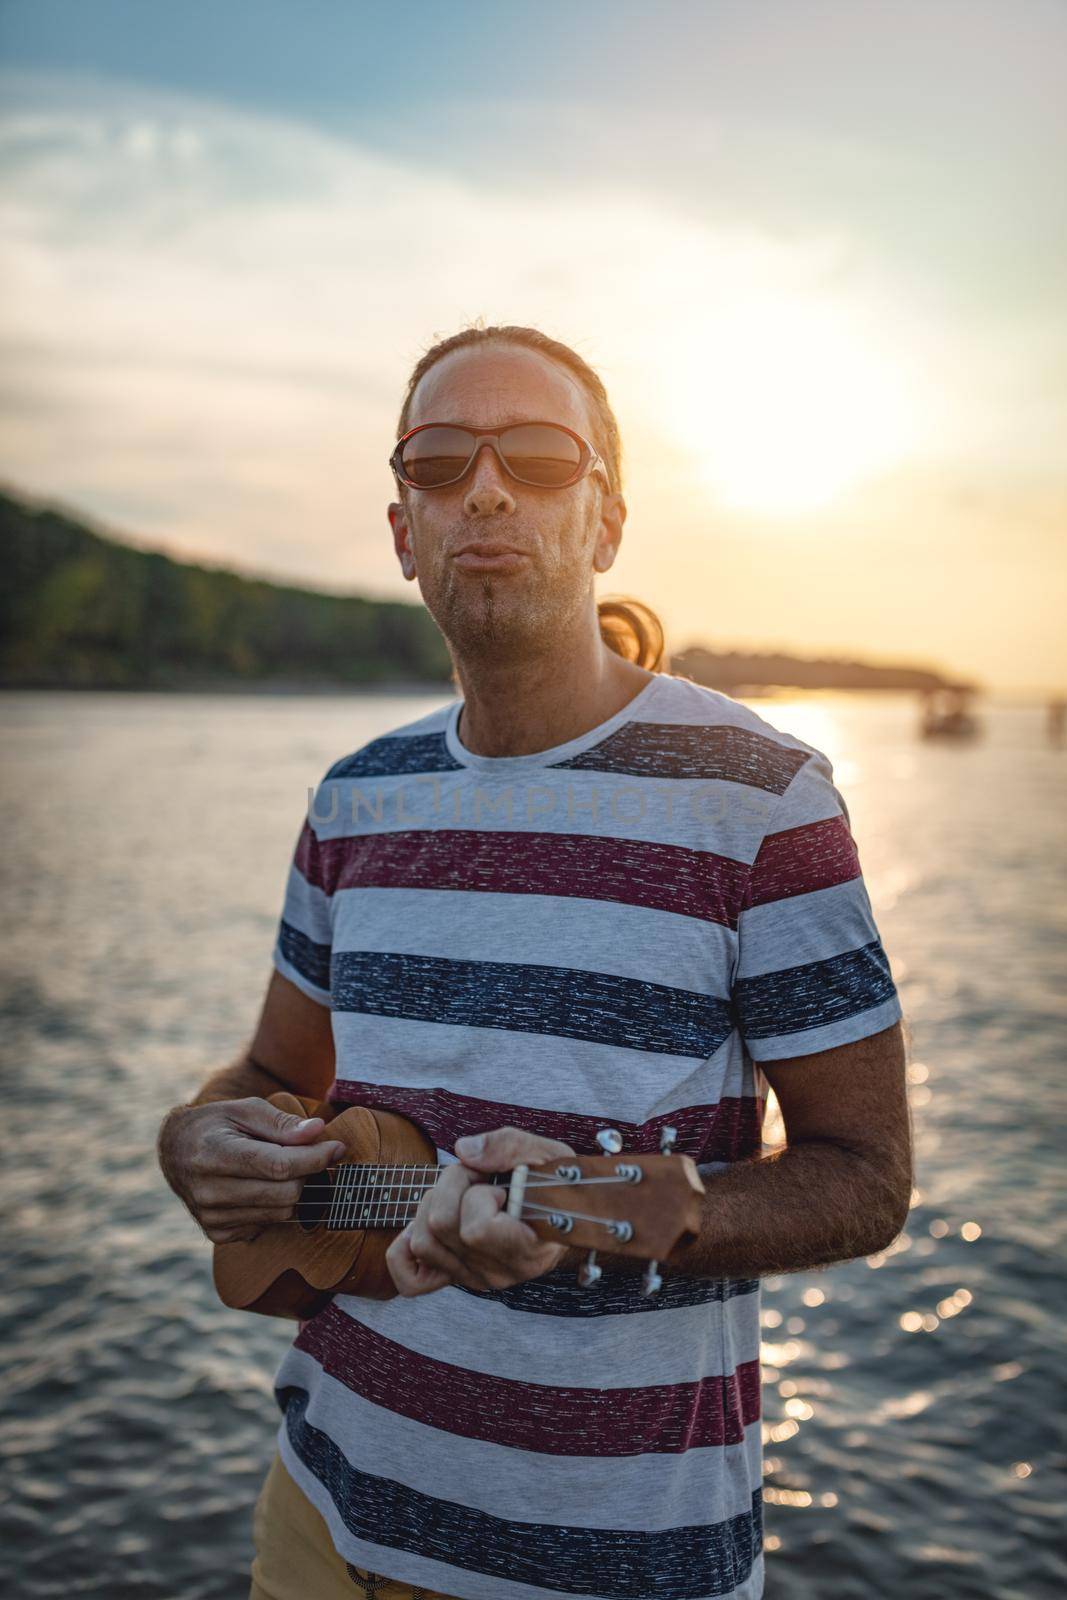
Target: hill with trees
pixel 737 672
pixel 78 610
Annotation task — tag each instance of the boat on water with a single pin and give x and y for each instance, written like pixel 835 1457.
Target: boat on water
pixel 946 714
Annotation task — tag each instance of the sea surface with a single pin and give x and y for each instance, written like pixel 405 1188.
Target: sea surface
pixel 913 1400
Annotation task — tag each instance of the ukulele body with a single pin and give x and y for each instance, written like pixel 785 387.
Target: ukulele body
pixel 292 1271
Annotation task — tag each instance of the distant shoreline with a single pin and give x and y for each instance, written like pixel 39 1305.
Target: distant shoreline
pixel 284 690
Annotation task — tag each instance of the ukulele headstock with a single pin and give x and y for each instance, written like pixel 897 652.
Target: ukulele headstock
pixel 618 1202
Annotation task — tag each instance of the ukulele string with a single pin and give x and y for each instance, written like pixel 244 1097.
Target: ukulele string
pixel 557 1211
pixel 534 1181
pixel 364 1224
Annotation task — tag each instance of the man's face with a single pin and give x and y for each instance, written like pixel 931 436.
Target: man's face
pixel 504 566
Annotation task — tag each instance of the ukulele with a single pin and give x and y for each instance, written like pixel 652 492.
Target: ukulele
pixel 348 1215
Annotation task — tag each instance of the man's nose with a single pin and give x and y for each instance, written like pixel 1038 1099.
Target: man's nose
pixel 487 492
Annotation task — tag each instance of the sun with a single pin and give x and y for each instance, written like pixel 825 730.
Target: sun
pixel 788 402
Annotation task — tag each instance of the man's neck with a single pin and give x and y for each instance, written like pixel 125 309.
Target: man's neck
pixel 517 707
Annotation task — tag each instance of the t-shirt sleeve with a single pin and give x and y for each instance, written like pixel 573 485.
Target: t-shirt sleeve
pixel 811 972
pixel 305 934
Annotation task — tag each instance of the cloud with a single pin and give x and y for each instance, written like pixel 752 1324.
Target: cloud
pixel 181 275
pixel 209 316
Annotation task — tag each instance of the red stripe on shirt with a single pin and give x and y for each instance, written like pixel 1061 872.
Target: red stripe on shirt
pixel 800 860
pixel 727 1131
pixel 659 1419
pixel 636 872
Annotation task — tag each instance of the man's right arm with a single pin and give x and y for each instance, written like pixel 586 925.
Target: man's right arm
pixel 292 1048
pixel 235 1161
pixel 242 1077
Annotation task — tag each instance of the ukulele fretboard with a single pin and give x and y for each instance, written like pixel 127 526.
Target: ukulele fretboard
pixel 377 1196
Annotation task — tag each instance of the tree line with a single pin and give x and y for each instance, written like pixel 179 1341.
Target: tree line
pixel 78 610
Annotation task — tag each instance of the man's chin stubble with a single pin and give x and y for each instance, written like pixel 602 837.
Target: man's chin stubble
pixel 474 626
pixel 488 612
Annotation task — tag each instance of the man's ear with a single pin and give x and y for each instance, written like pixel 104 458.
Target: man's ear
pixel 398 521
pixel 609 532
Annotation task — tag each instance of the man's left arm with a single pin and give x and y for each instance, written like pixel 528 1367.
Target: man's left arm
pixel 842 1185
pixel 820 1016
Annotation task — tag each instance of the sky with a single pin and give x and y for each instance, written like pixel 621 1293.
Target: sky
pixel 816 251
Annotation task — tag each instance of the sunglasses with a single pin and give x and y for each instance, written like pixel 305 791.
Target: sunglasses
pixel 544 454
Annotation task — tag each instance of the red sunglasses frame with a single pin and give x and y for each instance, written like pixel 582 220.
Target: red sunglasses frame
pixel 588 460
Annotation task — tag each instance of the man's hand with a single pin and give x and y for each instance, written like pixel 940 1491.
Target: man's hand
pixel 240 1164
pixel 461 1233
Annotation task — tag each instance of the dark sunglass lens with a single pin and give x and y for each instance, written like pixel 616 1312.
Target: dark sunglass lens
pixel 436 456
pixel 540 454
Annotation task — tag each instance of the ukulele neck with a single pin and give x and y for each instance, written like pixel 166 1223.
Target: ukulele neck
pixel 630 1203
pixel 365 1197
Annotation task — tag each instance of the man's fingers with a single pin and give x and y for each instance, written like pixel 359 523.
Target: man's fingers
pixel 411 1276
pixel 439 1209
pixel 505 1148
pixel 228 1217
pixel 258 1117
pixel 495 1238
pixel 432 1253
pixel 483 1228
pixel 257 1158
pixel 439 1245
pixel 489 1250
pixel 246 1192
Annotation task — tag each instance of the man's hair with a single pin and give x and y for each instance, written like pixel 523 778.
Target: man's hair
pixel 627 626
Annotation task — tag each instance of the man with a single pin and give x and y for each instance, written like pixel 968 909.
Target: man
pixel 588 894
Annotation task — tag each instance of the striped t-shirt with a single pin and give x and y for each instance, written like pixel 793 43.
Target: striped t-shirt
pixel 613 932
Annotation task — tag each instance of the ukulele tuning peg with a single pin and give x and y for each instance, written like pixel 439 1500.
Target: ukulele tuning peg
pixel 651 1282
pixel 668 1138
pixel 589 1273
pixel 610 1141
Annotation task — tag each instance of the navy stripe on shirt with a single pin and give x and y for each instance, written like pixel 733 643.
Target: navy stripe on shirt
pixel 815 994
pixel 679 750
pixel 689 1563
pixel 557 1294
pixel 311 960
pixel 397 756
pixel 528 998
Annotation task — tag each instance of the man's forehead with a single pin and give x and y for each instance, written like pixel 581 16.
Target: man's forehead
pixel 499 384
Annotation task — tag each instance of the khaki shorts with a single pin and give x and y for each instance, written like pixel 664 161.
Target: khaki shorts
pixel 295 1557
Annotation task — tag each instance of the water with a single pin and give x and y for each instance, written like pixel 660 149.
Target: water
pixel 146 845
